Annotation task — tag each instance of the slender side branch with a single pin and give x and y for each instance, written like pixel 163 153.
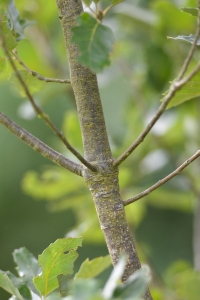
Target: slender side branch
pixel 162 181
pixel 192 49
pixel 39 111
pixel 39 146
pixel 177 85
pixel 37 75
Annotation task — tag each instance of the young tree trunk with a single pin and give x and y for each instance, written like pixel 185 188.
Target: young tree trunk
pixel 102 184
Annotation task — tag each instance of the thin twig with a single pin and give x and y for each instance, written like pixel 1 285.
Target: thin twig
pixel 39 146
pixel 175 86
pixel 39 111
pixel 162 181
pixel 192 49
pixel 37 75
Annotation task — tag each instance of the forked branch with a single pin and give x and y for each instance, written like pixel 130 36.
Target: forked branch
pixel 162 181
pixel 39 146
pixel 39 111
pixel 176 85
pixel 37 75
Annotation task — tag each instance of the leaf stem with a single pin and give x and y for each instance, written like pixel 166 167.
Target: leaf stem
pixel 162 181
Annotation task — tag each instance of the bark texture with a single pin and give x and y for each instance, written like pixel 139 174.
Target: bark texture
pixel 103 184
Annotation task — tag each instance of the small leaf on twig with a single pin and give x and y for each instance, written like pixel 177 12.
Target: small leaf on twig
pixel 189 39
pixel 95 42
pixel 190 10
pixel 16 24
pixel 189 91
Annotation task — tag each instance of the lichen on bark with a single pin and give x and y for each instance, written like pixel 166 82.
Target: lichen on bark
pixel 103 184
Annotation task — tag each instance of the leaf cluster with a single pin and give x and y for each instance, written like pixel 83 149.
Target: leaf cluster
pixel 51 276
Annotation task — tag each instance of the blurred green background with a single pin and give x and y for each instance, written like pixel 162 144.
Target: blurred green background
pixel 39 202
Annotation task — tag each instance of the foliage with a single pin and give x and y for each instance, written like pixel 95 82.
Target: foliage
pixel 55 279
pixel 94 41
pixel 140 47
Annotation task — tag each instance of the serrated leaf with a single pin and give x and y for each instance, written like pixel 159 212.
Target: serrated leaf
pixel 27 266
pixel 90 269
pixel 189 91
pixel 190 10
pixel 7 285
pixel 33 83
pixel 87 2
pixel 189 39
pixel 16 24
pixel 54 262
pixel 95 42
pixel 9 39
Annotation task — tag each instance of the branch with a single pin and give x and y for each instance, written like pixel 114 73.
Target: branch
pixel 35 74
pixel 176 85
pixel 39 111
pixel 192 49
pixel 39 146
pixel 162 181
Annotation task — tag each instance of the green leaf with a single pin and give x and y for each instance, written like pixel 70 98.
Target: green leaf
pixel 189 39
pixel 90 269
pixel 7 285
pixel 9 39
pixel 54 262
pixel 3 64
pixel 95 42
pixel 4 4
pixel 51 184
pixel 27 266
pixel 87 2
pixel 184 280
pixel 189 91
pixel 25 292
pixel 20 285
pixel 65 283
pixel 33 83
pixel 190 10
pixel 16 24
pixel 115 2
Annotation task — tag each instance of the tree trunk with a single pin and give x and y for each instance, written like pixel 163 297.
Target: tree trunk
pixel 102 184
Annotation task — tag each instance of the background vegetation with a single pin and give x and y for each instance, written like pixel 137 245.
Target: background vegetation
pixel 36 204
